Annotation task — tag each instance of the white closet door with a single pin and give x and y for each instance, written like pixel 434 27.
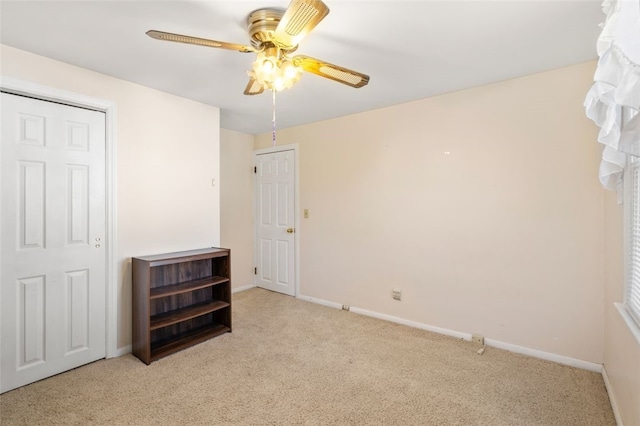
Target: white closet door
pixel 53 256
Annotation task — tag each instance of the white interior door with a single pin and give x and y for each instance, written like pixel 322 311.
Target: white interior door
pixel 53 257
pixel 275 219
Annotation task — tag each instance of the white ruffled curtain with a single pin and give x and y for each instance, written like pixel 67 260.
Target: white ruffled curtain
pixel 614 99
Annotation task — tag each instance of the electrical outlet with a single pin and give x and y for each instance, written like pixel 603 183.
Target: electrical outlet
pixel 477 338
pixel 396 294
pixel 346 307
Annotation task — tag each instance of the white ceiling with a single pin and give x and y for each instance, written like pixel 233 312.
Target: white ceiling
pixel 411 49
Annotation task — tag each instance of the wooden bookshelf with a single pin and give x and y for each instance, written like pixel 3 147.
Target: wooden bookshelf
pixel 180 299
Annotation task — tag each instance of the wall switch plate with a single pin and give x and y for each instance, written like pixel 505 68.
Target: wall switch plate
pixel 396 294
pixel 306 213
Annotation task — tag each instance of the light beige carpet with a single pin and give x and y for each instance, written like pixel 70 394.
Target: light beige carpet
pixel 291 362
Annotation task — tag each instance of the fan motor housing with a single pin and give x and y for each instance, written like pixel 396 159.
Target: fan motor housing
pixel 262 24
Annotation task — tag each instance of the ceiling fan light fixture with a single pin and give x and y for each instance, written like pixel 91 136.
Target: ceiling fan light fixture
pixel 274 72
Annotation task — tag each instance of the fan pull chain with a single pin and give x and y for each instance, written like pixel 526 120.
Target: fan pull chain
pixel 273 120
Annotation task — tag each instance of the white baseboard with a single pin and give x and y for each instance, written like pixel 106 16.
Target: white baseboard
pixel 560 359
pixel 612 398
pixel 434 329
pixel 320 301
pixel 244 288
pixel 122 351
pixel 535 353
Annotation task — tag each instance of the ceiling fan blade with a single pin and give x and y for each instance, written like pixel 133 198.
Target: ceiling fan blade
pixel 253 87
pixel 298 20
pixel 179 38
pixel 333 72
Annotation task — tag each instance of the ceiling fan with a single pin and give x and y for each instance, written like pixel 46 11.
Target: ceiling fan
pixel 275 35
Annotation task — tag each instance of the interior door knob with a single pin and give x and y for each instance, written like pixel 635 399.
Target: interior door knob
pixel 290 231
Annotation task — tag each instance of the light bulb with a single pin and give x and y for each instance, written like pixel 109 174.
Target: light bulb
pixel 268 66
pixel 290 71
pixel 278 84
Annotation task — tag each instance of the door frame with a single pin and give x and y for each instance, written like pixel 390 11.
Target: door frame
pixel 296 206
pixel 37 91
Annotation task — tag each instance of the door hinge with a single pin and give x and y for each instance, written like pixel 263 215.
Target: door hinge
pixel 255 271
pixel 255 169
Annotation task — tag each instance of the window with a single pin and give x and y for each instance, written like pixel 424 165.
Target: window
pixel 631 304
pixel 632 293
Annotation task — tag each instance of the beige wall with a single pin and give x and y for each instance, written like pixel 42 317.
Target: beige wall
pixel 236 204
pixel 621 349
pixel 483 206
pixel 167 155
